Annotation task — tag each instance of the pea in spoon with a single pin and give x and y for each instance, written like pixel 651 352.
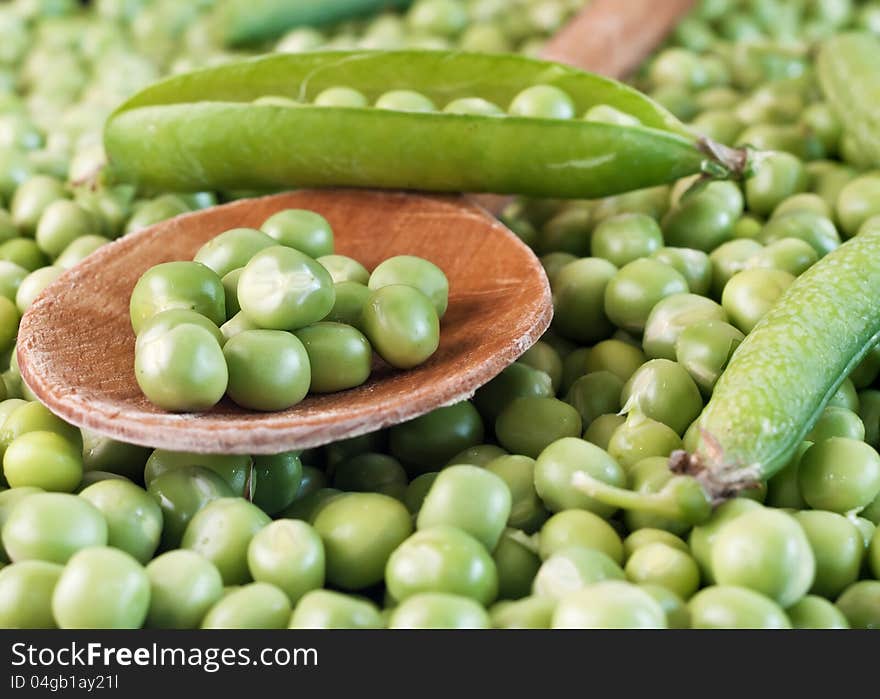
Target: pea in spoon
pixel 76 346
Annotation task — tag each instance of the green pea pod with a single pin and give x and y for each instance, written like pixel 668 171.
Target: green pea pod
pixel 202 131
pixel 783 374
pixel 242 22
pixel 849 72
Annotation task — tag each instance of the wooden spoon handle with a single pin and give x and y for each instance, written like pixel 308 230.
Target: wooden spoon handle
pixel 613 38
pixel 608 37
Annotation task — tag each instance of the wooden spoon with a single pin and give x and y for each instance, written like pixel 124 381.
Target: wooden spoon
pixel 76 345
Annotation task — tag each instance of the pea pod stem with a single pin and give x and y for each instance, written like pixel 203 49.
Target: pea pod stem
pixel 206 132
pixel 674 500
pixel 782 376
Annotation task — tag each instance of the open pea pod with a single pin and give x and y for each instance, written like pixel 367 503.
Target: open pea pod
pixel 849 72
pixel 202 130
pixel 241 22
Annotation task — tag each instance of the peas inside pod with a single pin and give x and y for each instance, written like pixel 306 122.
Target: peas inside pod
pixel 255 316
pixel 730 321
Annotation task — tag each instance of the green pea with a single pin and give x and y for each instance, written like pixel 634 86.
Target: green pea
pixel 674 607
pixel 702 537
pixel 23 252
pixel 478 455
pixel 704 220
pixel 134 519
pixel 693 265
pixel 159 324
pixel 360 531
pixel 579 528
pixel 183 587
pixel 305 231
pixel 43 460
pixel 417 490
pixel 573 367
pixel 634 291
pixel 257 605
pixel 442 559
pixel 595 394
pixel 663 391
pixel 405 101
pixel 182 370
pixel 34 284
pixel 567 231
pixel 527 512
pixel 666 566
pixel 864 374
pixel 268 369
pixel 624 238
pixel 339 355
pixel 779 176
pixel 640 437
pixel 309 506
pixel 552 262
pixel 573 568
pixel 873 554
pixel 705 348
pixel 750 294
pixel 371 473
pixel 344 269
pixel 579 300
pixel 677 100
pixel 731 607
pixel 806 201
pixel 719 124
pixel 787 254
pixel 783 489
pixel 857 202
pixel 542 102
pixel 516 563
pixel 838 548
pixel 62 222
pixel 101 588
pixel 651 535
pixel 324 609
pixel 527 425
pixel 290 555
pixel 515 381
pixel 52 527
pixel 232 249
pixel 341 97
pixel 401 324
pixel 351 297
pixel 860 604
pixel 543 357
pixel 611 604
pixel 428 442
pixel 283 289
pixel 8 500
pixel 812 228
pixel 672 316
pixel 813 612
pixel 235 325
pixel 560 461
pixel 26 595
pixel 188 285
pixel 417 273
pixel 470 498
pixel 839 474
pixel 221 532
pixel 606 114
pixel 766 551
pixel 729 259
pixel 527 613
pixel 475 106
pixel 11 277
pixel 837 422
pixel 618 357
pixel 31 199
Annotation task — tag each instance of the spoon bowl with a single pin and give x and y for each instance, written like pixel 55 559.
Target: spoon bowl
pixel 76 346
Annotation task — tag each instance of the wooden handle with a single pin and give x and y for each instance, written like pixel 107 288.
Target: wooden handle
pixel 613 37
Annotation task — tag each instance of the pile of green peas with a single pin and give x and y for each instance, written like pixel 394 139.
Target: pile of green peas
pixel 465 517
pixel 267 316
